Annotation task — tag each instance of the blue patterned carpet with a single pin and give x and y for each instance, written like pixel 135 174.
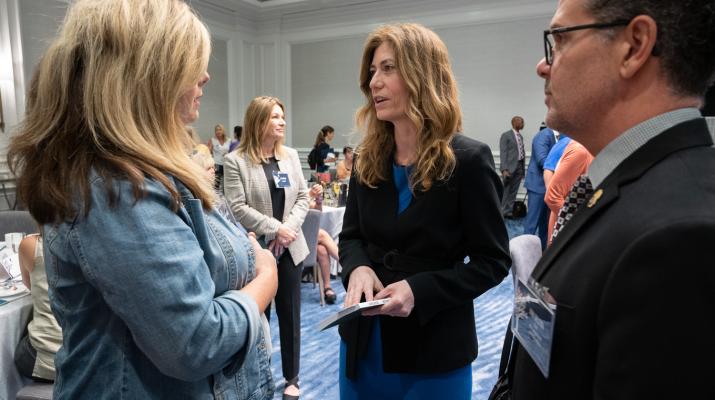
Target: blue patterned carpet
pixel 319 350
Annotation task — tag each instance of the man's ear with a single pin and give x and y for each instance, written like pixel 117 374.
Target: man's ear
pixel 639 39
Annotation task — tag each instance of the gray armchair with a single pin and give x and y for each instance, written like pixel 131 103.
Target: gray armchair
pixel 310 227
pixel 36 391
pixel 525 251
pixel 17 221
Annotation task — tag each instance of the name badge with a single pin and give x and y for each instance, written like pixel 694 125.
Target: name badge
pixel 281 179
pixel 533 321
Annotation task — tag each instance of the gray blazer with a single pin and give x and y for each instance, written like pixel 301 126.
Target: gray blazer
pixel 249 197
pixel 508 152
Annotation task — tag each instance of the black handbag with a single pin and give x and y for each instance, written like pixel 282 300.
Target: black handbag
pixel 502 389
pixel 518 210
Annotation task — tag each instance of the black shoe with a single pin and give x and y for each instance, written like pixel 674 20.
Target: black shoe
pixel 307 275
pixel 330 296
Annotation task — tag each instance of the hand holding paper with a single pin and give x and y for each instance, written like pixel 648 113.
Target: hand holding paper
pixel 363 281
pixel 348 313
pixel 402 301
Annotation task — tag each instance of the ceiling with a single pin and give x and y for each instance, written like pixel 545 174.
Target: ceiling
pixel 256 14
pixel 252 12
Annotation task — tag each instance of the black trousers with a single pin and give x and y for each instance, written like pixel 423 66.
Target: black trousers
pixel 218 177
pixel 511 187
pixel 287 303
pixel 25 357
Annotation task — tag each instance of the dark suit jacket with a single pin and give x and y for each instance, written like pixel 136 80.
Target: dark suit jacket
pixel 634 280
pixel 454 219
pixel 540 146
pixel 508 152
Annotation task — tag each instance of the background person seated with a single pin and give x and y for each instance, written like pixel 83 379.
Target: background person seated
pixel 326 245
pixel 35 354
pixel 345 166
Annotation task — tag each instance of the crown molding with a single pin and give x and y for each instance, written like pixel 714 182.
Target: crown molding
pixel 474 14
pixel 227 14
pixel 359 16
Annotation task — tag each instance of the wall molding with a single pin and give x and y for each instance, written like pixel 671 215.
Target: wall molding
pixel 303 27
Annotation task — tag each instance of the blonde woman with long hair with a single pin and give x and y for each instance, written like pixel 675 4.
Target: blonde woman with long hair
pixel 219 146
pixel 422 198
pixel 267 193
pixel 157 295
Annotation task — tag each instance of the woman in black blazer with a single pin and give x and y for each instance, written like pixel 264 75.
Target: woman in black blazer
pixel 422 198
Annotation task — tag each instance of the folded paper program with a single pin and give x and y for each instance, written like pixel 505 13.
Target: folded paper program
pixel 349 313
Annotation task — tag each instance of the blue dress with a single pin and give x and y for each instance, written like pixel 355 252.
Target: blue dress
pixel 375 384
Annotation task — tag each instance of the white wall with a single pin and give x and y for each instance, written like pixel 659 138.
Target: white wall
pixel 39 22
pixel 494 64
pixel 11 79
pixel 310 61
pixel 494 49
pixel 325 91
pixel 214 103
pixel 495 68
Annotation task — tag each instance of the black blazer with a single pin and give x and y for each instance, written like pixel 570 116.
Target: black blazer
pixel 634 281
pixel 454 219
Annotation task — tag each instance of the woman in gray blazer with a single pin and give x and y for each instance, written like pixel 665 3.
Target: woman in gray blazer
pixel 264 186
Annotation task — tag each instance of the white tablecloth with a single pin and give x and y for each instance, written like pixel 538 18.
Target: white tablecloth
pixel 331 221
pixel 13 319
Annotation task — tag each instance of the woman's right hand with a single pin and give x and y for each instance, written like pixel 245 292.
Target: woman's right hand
pixel 362 281
pixel 285 235
pixel 315 190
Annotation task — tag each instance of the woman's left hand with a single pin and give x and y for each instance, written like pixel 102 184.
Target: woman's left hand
pixel 276 248
pixel 401 303
pixel 285 235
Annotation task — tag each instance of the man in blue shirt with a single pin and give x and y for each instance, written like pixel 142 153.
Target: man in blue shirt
pixel 537 216
pixel 552 160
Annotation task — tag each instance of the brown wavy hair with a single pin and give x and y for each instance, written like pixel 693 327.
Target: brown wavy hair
pixel 433 107
pixel 255 125
pixel 105 98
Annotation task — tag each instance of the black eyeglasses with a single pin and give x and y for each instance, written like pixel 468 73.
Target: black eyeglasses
pixel 549 42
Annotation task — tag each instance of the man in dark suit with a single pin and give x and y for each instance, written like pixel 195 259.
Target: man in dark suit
pixel 537 216
pixel 632 271
pixel 511 164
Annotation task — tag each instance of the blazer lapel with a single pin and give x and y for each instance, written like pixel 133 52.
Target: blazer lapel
pixel 582 216
pixel 284 165
pixel 259 193
pixel 692 133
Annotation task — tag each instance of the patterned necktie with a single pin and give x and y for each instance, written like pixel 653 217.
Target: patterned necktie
pixel 520 145
pixel 580 192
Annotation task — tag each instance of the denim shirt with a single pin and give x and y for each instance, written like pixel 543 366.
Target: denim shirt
pixel 148 302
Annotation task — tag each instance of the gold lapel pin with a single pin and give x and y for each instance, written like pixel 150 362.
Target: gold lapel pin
pixel 594 199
